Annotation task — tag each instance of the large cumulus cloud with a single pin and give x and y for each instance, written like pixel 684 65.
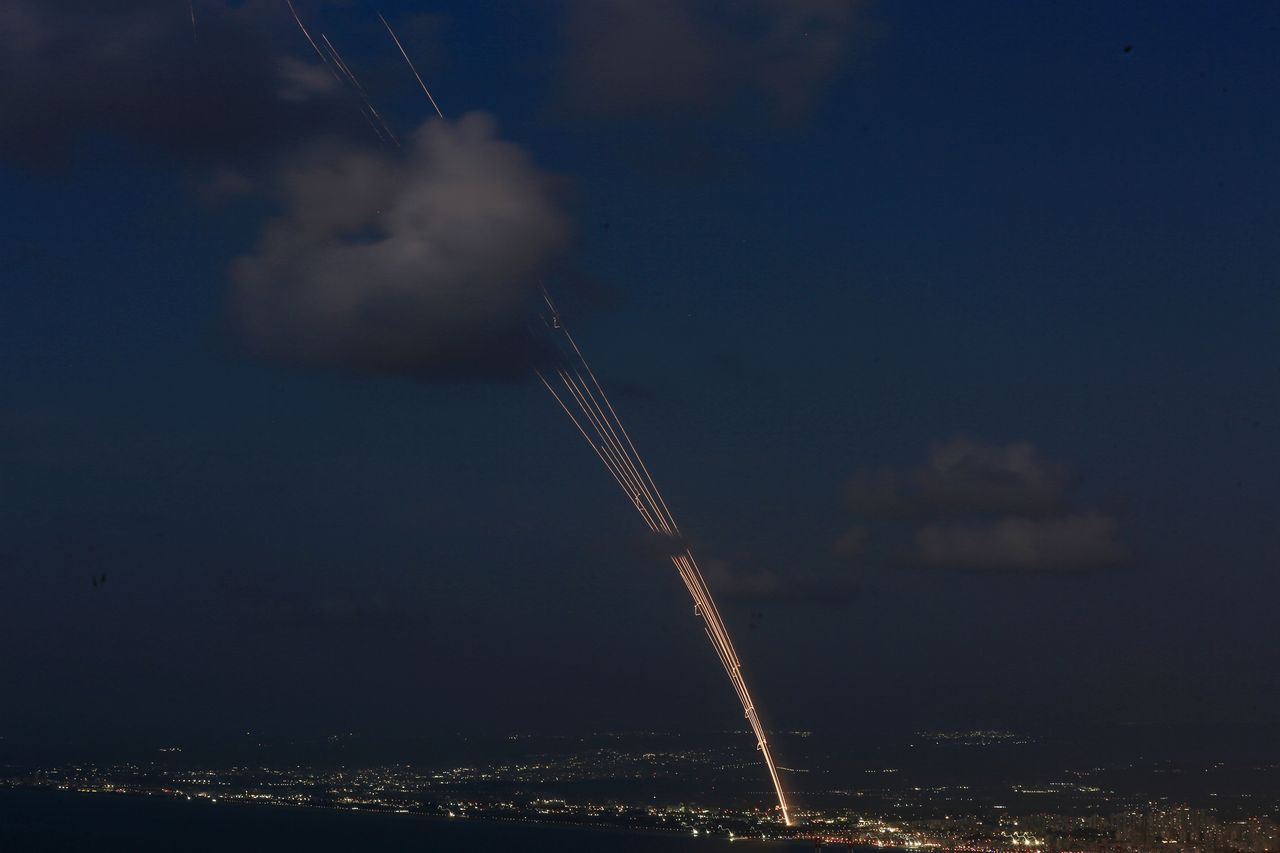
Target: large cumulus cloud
pixel 418 264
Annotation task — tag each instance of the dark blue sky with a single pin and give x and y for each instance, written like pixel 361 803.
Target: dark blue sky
pixel 1038 237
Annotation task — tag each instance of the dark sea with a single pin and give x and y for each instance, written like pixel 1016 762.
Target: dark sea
pixel 37 821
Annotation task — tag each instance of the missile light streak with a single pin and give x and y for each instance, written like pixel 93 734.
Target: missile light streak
pixel 598 423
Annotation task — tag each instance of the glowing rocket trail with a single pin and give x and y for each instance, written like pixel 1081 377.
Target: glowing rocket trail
pixel 625 465
pixel 307 33
pixel 382 128
pixel 617 452
pixel 409 62
pixel 344 76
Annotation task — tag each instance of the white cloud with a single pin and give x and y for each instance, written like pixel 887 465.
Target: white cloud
pixel 419 265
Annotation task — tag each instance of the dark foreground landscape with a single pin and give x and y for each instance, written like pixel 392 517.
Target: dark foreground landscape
pixel 34 821
pixel 1128 790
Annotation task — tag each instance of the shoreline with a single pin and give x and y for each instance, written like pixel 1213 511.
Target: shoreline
pixel 483 820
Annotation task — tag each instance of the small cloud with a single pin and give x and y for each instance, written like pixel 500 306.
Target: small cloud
pixel 963 476
pixel 653 545
pixel 770 587
pixel 975 505
pixel 851 544
pixel 1061 544
pixel 225 183
pixel 303 81
pixel 678 57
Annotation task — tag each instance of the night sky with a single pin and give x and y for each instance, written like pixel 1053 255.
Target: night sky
pixel 949 330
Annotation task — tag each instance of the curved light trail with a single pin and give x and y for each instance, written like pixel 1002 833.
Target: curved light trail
pixel 598 423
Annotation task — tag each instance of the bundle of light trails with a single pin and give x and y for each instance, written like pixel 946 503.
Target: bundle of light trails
pixel 583 399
